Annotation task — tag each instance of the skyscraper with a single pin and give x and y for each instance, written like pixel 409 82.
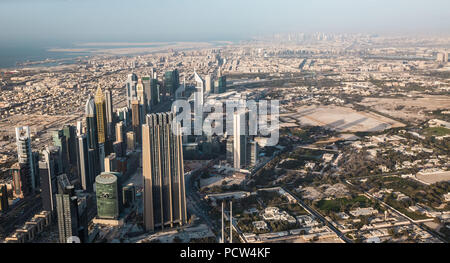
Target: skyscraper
pixel 142 101
pixel 86 165
pixel 131 88
pixel 154 87
pixel 171 81
pixel 209 84
pixel 100 107
pixel 239 141
pixel 91 124
pixel 21 180
pixel 199 87
pixel 60 141
pixel 70 221
pixel 136 119
pixel 3 198
pixel 92 134
pixel 163 171
pixel 146 82
pixel 48 171
pixel 108 194
pixel 109 113
pixel 119 132
pixel 70 134
pixel 25 154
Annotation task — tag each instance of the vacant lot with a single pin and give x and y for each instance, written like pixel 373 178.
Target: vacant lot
pixel 409 109
pixel 432 178
pixel 342 119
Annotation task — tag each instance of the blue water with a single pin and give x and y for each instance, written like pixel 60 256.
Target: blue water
pixel 12 56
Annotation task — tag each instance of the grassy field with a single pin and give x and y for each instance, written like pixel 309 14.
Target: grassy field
pixel 436 131
pixel 343 204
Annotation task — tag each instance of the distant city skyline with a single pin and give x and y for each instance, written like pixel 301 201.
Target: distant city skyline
pixel 49 22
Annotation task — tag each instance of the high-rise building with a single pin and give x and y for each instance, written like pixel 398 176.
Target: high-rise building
pixel 69 221
pixel 199 87
pixel 239 141
pixel 25 154
pixel 129 195
pixel 60 141
pixel 86 165
pixel 209 84
pixel 119 132
pixel 146 83
pixel 131 141
pixel 91 124
pixel 109 113
pixel 110 163
pixel 3 198
pixel 155 90
pixel 123 114
pixel 108 192
pixel 131 88
pixel 163 171
pixel 79 128
pixel 253 153
pixel 136 119
pixel 70 134
pixel 222 84
pixel 48 171
pixel 142 101
pixel 100 107
pixel 21 180
pixel 101 156
pixel 229 149
pixel 171 81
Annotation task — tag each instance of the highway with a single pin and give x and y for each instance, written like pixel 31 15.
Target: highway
pixel 195 204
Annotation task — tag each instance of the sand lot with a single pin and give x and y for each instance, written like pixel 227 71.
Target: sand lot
pixel 411 109
pixel 341 119
pixel 434 177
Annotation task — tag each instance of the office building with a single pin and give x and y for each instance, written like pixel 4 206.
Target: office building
pixel 100 107
pixel 239 141
pixel 60 141
pixel 209 84
pixel 109 114
pixel 163 171
pixel 129 195
pixel 130 86
pixel 86 165
pixel 119 132
pixel 48 171
pixel 110 163
pixel 131 141
pixel 25 154
pixel 4 205
pixel 253 153
pixel 69 132
pixel 108 189
pixel 136 119
pixel 71 221
pixel 141 98
pixel 91 124
pixel 171 82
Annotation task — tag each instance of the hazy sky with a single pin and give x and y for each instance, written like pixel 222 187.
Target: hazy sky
pixel 36 21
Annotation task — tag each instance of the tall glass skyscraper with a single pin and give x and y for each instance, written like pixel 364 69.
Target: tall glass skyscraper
pixel 100 107
pixel 109 113
pixel 171 81
pixel 130 86
pixel 25 154
pixel 163 171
